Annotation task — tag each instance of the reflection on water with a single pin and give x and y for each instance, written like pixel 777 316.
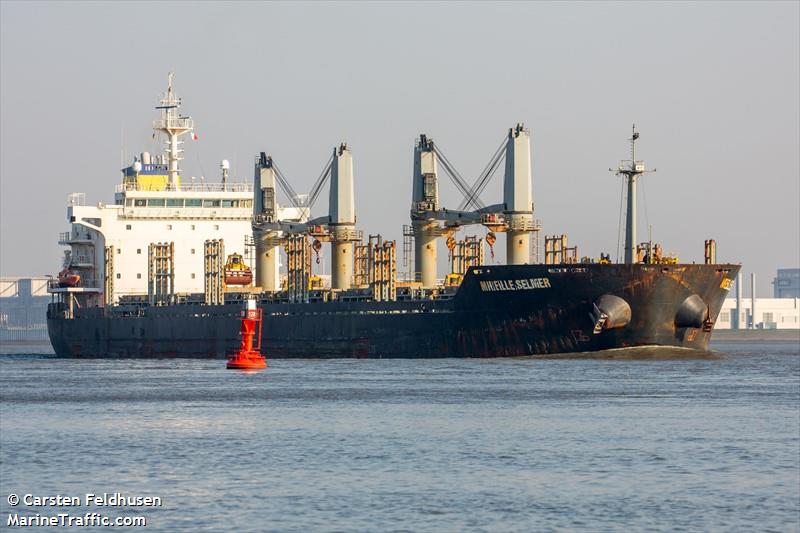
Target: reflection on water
pixel 638 441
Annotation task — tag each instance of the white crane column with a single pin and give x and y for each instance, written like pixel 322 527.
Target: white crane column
pixel 518 196
pixel 425 198
pixel 342 218
pixel 265 210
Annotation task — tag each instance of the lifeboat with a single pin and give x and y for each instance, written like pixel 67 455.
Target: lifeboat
pixel 236 272
pixel 68 278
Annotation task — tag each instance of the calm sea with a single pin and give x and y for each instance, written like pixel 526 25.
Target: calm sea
pixel 427 445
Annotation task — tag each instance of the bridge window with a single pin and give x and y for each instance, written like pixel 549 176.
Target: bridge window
pixel 174 202
pixel 211 203
pixel 194 202
pixel 139 202
pixel 155 202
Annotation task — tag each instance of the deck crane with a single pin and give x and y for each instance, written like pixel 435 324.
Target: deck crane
pixel 514 215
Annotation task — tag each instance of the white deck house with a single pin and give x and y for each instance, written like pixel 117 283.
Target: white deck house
pixel 108 243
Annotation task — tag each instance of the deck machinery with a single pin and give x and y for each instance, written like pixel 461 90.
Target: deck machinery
pixel 430 221
pixel 514 215
pixel 337 228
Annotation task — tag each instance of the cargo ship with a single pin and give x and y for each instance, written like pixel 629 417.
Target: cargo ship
pixel 147 276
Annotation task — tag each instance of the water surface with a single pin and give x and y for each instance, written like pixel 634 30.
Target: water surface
pixel 415 445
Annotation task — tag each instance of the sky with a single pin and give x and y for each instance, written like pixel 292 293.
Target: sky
pixel 712 87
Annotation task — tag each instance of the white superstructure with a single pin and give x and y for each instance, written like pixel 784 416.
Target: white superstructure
pixel 139 217
pixel 109 243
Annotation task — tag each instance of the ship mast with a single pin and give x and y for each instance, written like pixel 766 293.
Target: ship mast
pixel 631 170
pixel 173 126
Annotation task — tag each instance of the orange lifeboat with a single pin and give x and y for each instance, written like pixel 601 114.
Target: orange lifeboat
pixel 248 356
pixel 68 278
pixel 236 272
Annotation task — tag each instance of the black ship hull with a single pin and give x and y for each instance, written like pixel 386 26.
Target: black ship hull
pixel 498 311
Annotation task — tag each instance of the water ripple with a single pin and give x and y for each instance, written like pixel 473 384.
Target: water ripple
pixel 689 443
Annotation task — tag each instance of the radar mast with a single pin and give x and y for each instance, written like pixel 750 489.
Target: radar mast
pixel 173 126
pixel 631 170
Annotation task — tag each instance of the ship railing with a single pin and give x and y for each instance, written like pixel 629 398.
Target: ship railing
pixel 524 225
pixel 174 123
pixel 347 234
pixel 76 198
pixel 177 213
pixel 67 237
pixel 190 187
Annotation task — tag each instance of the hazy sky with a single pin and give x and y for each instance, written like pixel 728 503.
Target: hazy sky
pixel 713 88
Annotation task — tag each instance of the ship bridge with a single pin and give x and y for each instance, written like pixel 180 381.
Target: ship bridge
pixel 200 200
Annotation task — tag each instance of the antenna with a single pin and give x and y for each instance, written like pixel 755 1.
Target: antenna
pixel 631 170
pixel 173 126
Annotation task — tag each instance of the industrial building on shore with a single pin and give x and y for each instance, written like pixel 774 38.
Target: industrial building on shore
pixel 787 283
pixel 780 312
pixel 23 310
pixel 771 313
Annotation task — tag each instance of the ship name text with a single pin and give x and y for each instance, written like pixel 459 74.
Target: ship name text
pixel 515 284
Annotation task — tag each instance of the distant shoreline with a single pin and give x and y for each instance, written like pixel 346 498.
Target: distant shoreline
pixel 756 335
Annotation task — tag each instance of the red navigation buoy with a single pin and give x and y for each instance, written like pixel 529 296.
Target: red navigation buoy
pixel 248 356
